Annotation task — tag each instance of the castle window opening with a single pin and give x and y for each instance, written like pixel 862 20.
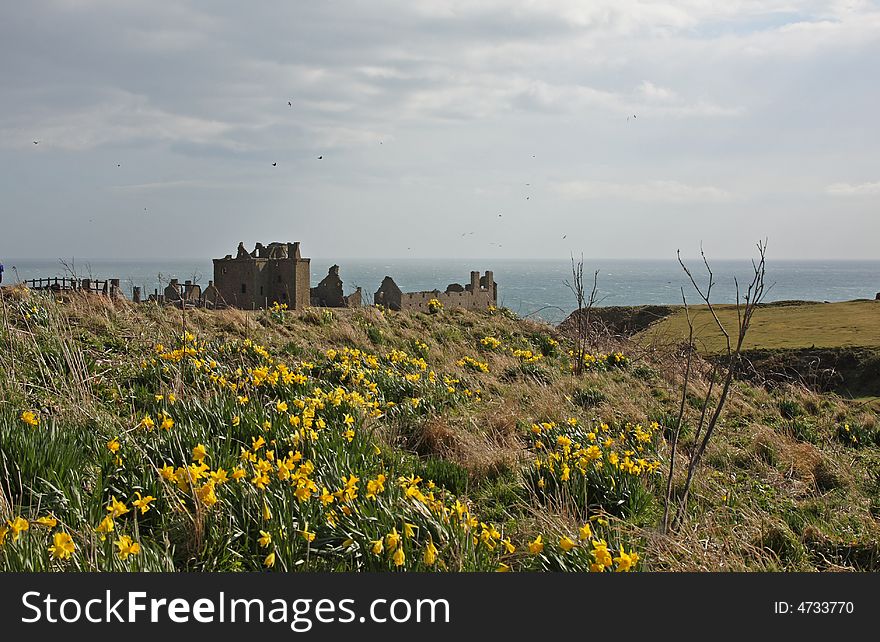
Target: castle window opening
pixel 244 288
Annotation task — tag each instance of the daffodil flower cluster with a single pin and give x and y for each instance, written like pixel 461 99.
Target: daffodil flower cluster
pixel 600 361
pixel 601 466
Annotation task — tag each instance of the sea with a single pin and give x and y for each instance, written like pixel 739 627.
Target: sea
pixel 533 288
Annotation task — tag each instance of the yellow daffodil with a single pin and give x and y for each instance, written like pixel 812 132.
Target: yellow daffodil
pixel 126 547
pixel 536 546
pixel 585 532
pixel 207 495
pixel 566 544
pixel 326 497
pixel 265 539
pixel 30 418
pixel 601 555
pixel 399 558
pixel 199 453
pixel 143 503
pixel 62 546
pixel 430 555
pixel 116 508
pixel 392 539
pixel 18 526
pixel 47 521
pixel 626 560
pixel 269 561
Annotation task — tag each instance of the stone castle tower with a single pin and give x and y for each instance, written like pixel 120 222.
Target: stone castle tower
pixel 275 273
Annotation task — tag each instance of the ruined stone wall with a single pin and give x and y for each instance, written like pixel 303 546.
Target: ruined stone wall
pixel 302 285
pixel 388 294
pixel 229 277
pixel 479 294
pixel 355 299
pixel 469 301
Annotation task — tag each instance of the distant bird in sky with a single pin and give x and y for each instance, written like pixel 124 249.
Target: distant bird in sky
pixel 564 235
pixel 499 215
pixel 380 142
pixel 320 157
pixel 527 198
pixel 528 184
pixel 274 164
pixel 36 142
pixel 289 104
pixel 533 155
pixel 118 165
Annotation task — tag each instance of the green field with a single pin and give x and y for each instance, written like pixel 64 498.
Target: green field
pixel 809 325
pixel 142 438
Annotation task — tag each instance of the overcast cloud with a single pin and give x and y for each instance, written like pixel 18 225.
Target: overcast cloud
pixel 631 128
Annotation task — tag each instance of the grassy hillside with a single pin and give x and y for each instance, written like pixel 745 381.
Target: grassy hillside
pixel 804 325
pixel 141 438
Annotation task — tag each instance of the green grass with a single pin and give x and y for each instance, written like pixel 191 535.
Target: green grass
pixel 820 325
pixel 784 484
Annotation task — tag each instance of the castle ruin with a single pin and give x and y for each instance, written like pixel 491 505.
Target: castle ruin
pixel 479 294
pixel 275 273
pixel 328 293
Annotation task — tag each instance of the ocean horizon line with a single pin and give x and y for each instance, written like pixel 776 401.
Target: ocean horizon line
pixel 136 259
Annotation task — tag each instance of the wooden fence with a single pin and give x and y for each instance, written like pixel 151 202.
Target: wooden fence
pixel 107 287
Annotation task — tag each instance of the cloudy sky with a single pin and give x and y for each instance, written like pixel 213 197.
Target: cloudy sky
pixel 464 128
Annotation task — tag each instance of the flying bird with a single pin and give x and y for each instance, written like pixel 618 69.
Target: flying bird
pixel 289 104
pixel 36 142
pixel 274 164
pixel 527 198
pixel 118 165
pixel 564 235
pixel 320 157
